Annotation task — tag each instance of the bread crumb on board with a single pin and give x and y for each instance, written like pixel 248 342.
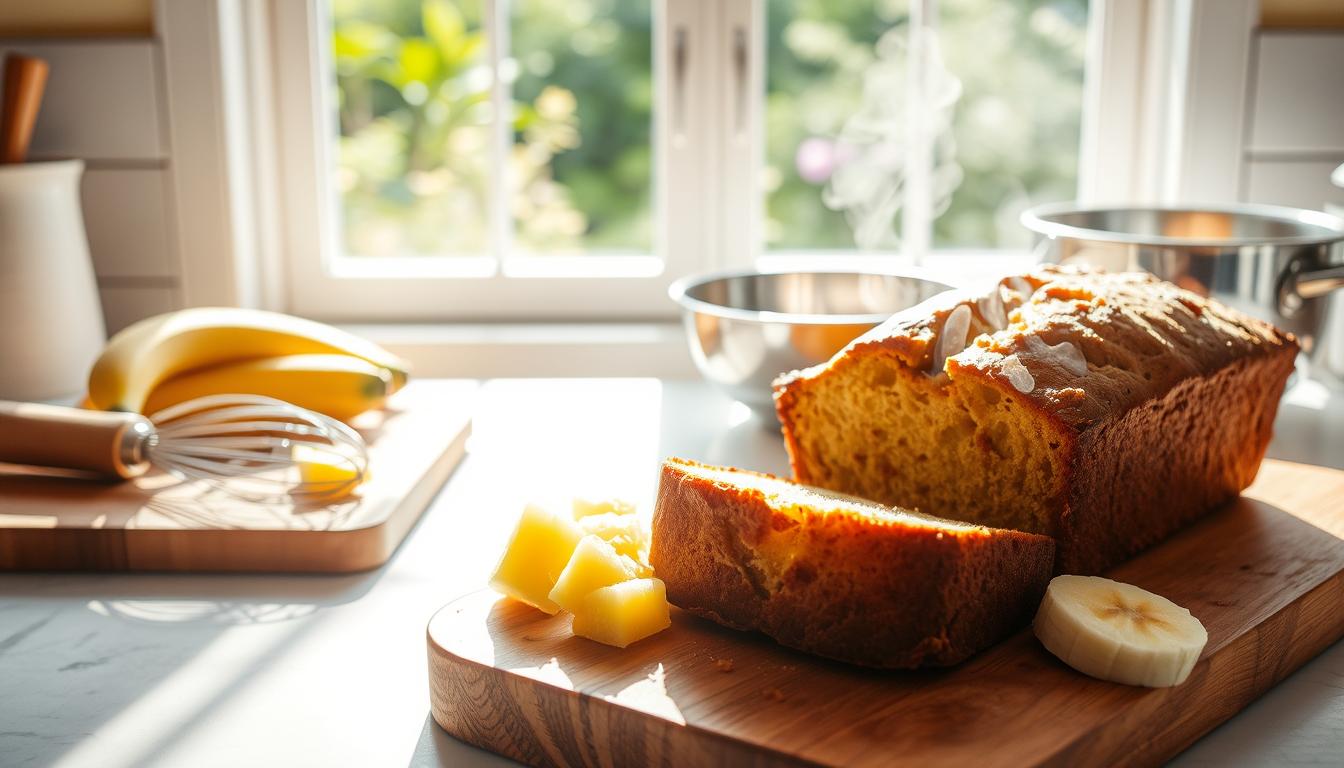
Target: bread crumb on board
pixel 724 665
pixel 773 694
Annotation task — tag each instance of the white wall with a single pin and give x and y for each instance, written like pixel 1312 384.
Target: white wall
pixel 104 105
pixel 1295 134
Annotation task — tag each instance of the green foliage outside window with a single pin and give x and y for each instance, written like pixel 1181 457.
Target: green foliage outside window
pixel 413 90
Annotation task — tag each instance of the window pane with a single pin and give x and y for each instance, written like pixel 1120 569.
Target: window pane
pixel 816 54
pixel 1007 134
pixel 415 168
pixel 582 159
pixel 1017 126
pixel 413 91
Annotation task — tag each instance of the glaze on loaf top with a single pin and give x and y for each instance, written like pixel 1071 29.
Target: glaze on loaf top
pixel 1082 345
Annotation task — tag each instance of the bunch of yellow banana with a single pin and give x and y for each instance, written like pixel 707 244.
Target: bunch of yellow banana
pixel 178 356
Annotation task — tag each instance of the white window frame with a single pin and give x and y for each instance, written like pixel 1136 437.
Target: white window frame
pixel 1165 101
pixel 248 186
pixel 520 288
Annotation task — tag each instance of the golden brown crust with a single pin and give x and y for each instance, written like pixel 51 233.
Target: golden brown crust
pixel 1141 477
pixel 1158 401
pixel 1139 335
pixel 889 593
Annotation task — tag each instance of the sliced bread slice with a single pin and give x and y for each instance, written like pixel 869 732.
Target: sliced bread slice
pixel 839 576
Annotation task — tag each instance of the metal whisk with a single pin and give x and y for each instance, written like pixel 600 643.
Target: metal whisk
pixel 245 445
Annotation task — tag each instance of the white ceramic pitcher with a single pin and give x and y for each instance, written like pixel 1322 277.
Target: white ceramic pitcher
pixel 51 322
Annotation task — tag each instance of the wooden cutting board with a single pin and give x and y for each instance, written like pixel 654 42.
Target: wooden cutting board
pixel 1265 576
pixel 159 523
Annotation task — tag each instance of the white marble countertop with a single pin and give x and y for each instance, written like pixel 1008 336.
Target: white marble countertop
pixel 172 670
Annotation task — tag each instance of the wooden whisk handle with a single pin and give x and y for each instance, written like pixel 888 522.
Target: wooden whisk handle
pixel 25 80
pixel 40 435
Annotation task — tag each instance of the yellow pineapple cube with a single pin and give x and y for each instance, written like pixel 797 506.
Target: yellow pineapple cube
pixel 625 533
pixel 583 507
pixel 594 564
pixel 623 613
pixel 537 554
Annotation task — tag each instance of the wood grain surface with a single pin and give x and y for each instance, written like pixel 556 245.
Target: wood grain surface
pixel 160 523
pixel 1265 576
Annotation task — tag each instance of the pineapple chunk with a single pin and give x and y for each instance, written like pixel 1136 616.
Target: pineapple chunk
pixel 623 613
pixel 583 507
pixel 540 548
pixel 624 533
pixel 594 564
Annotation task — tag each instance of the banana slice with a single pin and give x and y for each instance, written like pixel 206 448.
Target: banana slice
pixel 1118 632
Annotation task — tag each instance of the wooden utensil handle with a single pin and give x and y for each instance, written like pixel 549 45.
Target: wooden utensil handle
pixel 72 438
pixel 25 79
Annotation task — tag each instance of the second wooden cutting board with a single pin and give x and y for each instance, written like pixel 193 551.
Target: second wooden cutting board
pixel 160 523
pixel 1266 577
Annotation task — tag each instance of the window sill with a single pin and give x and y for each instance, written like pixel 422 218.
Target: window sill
pixel 508 350
pixel 654 349
pixel 958 267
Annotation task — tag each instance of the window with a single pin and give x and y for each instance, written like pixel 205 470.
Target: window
pixel 515 159
pixel 448 149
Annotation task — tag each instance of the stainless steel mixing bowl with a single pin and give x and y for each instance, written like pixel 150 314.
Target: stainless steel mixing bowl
pixel 745 328
pixel 1282 265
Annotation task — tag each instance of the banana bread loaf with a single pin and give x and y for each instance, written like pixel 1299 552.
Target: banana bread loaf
pixel 839 576
pixel 1103 410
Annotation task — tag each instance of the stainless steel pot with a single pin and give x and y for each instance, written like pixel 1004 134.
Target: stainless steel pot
pixel 1280 264
pixel 746 328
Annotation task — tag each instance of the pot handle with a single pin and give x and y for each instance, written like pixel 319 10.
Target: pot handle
pixel 1299 283
pixel 1315 283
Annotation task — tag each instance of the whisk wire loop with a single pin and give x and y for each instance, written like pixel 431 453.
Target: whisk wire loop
pixel 244 445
